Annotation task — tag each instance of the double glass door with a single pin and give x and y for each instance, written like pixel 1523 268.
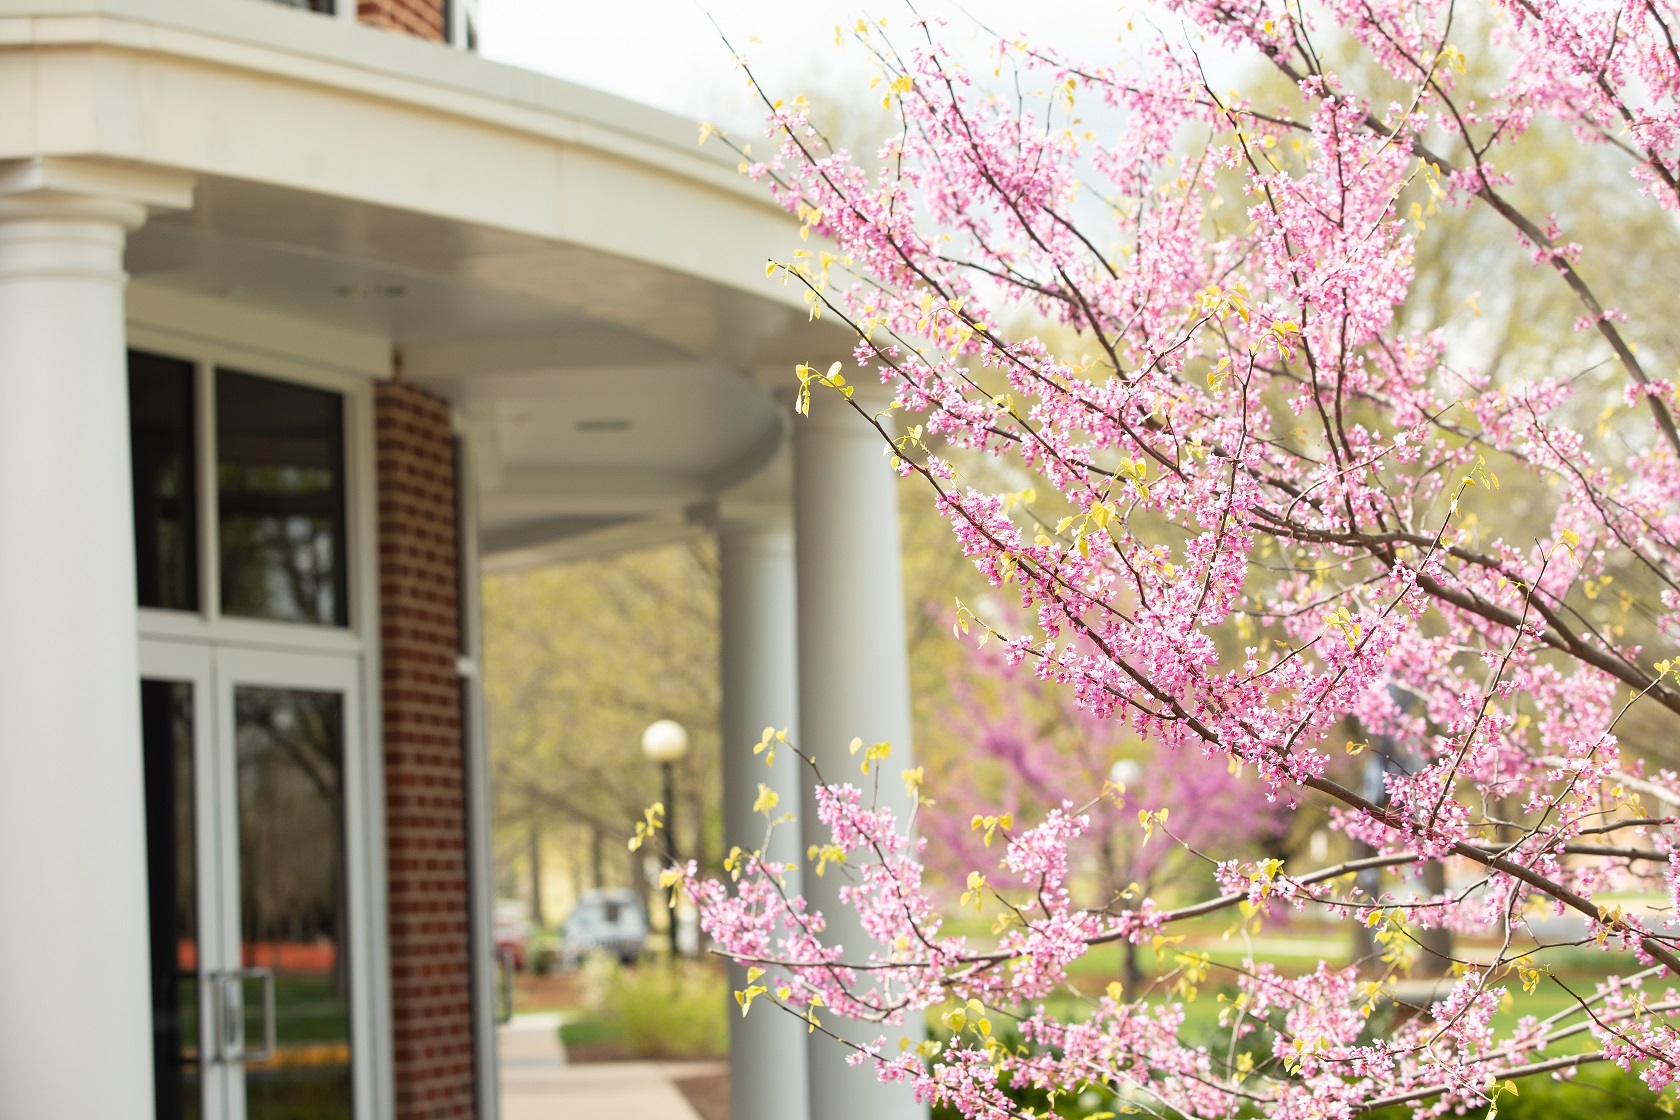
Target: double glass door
pixel 246 798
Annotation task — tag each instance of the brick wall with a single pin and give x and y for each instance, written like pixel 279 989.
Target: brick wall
pixel 425 796
pixel 422 18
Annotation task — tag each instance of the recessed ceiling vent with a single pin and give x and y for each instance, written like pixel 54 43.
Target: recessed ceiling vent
pixel 371 291
pixel 608 424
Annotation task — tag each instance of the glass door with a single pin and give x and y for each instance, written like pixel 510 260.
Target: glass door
pixel 247 844
pixel 175 720
pixel 287 720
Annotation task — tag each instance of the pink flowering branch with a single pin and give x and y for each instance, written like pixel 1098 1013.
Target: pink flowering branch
pixel 1266 530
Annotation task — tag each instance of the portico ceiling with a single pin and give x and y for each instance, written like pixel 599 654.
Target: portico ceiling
pixel 456 290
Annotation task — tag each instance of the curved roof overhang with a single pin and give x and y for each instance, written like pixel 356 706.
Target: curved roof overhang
pixel 571 269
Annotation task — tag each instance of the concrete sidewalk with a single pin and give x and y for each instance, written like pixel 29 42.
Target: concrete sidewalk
pixel 537 1084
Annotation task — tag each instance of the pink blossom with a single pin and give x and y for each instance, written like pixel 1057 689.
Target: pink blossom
pixel 1265 531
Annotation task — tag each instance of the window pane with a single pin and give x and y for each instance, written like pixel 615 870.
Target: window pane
pixel 280 487
pixel 160 434
pixel 292 909
pixel 166 725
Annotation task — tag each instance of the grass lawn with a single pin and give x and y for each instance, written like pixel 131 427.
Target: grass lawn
pixel 1293 948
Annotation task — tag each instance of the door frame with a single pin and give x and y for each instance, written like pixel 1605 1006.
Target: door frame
pixel 212 333
pixel 215 671
pixel 194 665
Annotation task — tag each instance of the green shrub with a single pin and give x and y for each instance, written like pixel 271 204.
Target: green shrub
pixel 588 1032
pixel 1597 1092
pixel 654 1010
pixel 543 952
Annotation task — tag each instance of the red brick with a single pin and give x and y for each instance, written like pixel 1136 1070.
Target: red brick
pixel 431 955
pixel 421 18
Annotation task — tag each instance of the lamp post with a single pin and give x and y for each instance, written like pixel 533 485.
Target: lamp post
pixel 665 742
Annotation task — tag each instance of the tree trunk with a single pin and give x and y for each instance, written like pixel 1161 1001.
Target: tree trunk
pixel 1133 981
pixel 1435 945
pixel 533 857
pixel 595 875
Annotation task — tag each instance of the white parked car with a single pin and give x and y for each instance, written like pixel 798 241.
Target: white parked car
pixel 611 921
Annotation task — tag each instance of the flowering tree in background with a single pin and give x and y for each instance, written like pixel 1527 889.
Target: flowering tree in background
pixel 1027 748
pixel 1267 527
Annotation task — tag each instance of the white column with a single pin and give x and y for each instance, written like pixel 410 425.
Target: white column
pixel 854 680
pixel 760 689
pixel 75 1003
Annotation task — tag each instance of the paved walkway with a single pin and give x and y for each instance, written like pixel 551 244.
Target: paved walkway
pixel 537 1084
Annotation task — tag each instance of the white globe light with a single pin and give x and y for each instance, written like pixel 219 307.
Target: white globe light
pixel 665 741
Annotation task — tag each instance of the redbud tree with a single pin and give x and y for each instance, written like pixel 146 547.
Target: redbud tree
pixel 1267 528
pixel 1025 747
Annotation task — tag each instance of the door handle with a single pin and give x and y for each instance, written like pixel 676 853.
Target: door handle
pixel 230 1027
pixel 230 1014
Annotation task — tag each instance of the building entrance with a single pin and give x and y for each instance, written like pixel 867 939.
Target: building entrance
pixel 249 862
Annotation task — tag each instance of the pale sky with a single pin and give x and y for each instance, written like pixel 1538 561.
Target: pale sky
pixel 667 53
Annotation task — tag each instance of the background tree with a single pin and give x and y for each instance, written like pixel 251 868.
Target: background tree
pixel 1025 749
pixel 579 659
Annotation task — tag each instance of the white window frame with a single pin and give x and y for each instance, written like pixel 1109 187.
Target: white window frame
pixel 464 25
pixel 307 357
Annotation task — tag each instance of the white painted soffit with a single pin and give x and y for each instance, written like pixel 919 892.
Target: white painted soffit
pixel 460 299
pixel 564 452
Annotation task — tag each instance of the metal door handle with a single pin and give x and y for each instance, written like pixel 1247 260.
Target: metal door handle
pixel 230 1028
pixel 230 1013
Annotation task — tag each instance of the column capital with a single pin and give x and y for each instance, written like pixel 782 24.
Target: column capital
pixel 63 187
pixel 778 379
pixel 764 502
pixel 831 413
pixel 754 515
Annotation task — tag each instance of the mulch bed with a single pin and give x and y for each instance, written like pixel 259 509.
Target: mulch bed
pixel 556 989
pixel 709 1096
pixel 580 1052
